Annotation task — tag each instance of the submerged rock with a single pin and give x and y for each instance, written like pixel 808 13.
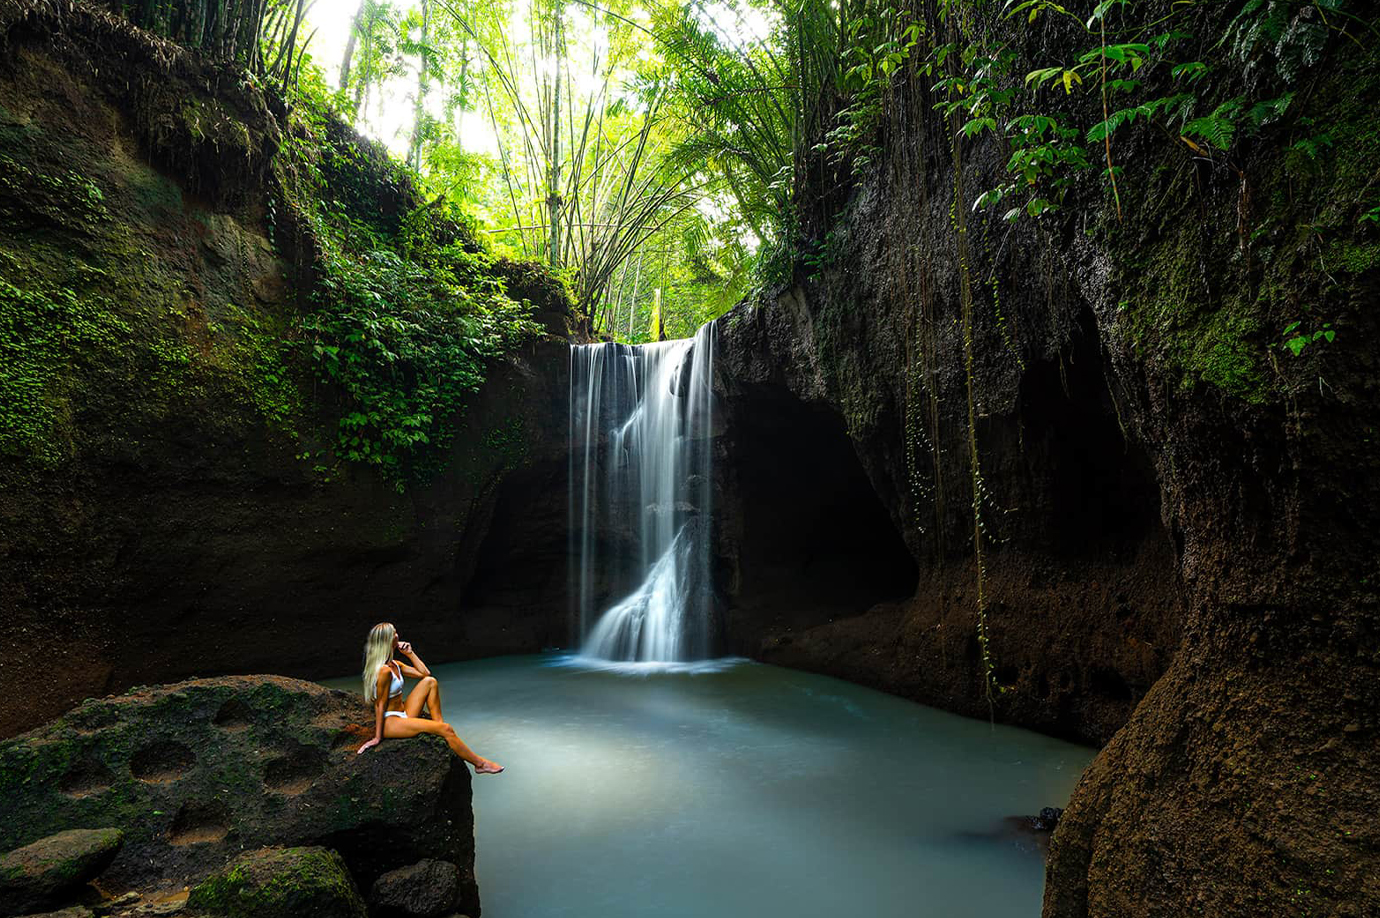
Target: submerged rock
pixel 1030 833
pixel 281 883
pixel 1048 819
pixel 426 889
pixel 39 874
pixel 196 772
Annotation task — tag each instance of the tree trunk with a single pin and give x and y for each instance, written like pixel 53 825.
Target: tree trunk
pixel 350 45
pixel 553 184
pixel 414 156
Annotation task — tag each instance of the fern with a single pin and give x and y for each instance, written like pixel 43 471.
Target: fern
pixel 1270 110
pixel 1217 129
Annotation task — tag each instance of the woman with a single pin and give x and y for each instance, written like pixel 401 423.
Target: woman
pixel 398 719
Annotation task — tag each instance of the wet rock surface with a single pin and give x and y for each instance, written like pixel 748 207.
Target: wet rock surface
pixel 42 872
pixel 194 773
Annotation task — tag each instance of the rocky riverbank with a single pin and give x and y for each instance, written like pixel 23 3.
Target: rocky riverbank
pixel 246 792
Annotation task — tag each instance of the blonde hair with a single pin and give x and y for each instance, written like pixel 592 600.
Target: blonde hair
pixel 378 650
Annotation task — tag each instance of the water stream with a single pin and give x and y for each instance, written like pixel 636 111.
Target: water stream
pixel 641 418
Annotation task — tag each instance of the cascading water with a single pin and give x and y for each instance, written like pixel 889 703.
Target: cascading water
pixel 641 422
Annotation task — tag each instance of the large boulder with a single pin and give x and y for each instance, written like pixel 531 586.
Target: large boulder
pixel 426 889
pixel 281 883
pixel 196 772
pixel 37 875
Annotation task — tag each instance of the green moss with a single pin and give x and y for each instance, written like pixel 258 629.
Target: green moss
pixel 260 354
pixel 30 192
pixel 508 442
pixel 44 331
pixel 1353 257
pixel 1208 300
pixel 285 883
pixel 218 894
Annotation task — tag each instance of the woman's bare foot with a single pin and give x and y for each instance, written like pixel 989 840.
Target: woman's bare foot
pixel 488 768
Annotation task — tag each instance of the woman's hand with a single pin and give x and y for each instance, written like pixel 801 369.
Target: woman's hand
pixel 418 669
pixel 371 743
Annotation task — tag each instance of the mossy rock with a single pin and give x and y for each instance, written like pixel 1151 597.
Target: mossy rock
pixel 196 772
pixel 281 883
pixel 39 874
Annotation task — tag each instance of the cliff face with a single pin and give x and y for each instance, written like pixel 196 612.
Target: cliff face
pixel 1176 510
pixel 849 389
pixel 169 502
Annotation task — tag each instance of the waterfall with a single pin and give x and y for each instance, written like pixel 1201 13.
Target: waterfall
pixel 641 421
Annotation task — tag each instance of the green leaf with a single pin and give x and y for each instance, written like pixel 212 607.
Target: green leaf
pixel 978 125
pixel 1043 75
pixel 1191 71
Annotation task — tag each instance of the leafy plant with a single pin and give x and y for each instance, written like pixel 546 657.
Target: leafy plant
pixel 1295 340
pixel 403 318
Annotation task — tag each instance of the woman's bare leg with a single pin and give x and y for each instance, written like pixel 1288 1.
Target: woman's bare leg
pixel 404 727
pixel 427 692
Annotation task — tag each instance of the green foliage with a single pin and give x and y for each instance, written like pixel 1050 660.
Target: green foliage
pixel 263 352
pixel 61 198
pixel 401 322
pixel 44 329
pixel 1130 64
pixel 819 258
pixel 407 341
pixel 1295 340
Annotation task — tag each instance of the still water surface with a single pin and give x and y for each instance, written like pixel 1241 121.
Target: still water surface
pixel 740 790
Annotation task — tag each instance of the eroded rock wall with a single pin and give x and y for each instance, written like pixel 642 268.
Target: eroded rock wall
pixel 1081 588
pixel 169 502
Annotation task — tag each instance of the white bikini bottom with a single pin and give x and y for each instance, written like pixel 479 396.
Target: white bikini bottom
pixel 394 713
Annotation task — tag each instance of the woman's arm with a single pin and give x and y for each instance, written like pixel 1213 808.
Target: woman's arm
pixel 418 669
pixel 384 683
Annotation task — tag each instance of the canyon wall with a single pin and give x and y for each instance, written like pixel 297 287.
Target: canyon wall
pixel 170 502
pixel 1176 510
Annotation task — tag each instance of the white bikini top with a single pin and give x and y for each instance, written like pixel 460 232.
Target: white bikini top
pixel 395 688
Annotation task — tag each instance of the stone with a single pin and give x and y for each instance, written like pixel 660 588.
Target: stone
pixel 310 882
pixel 74 911
pixel 196 772
pixel 42 872
pixel 426 889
